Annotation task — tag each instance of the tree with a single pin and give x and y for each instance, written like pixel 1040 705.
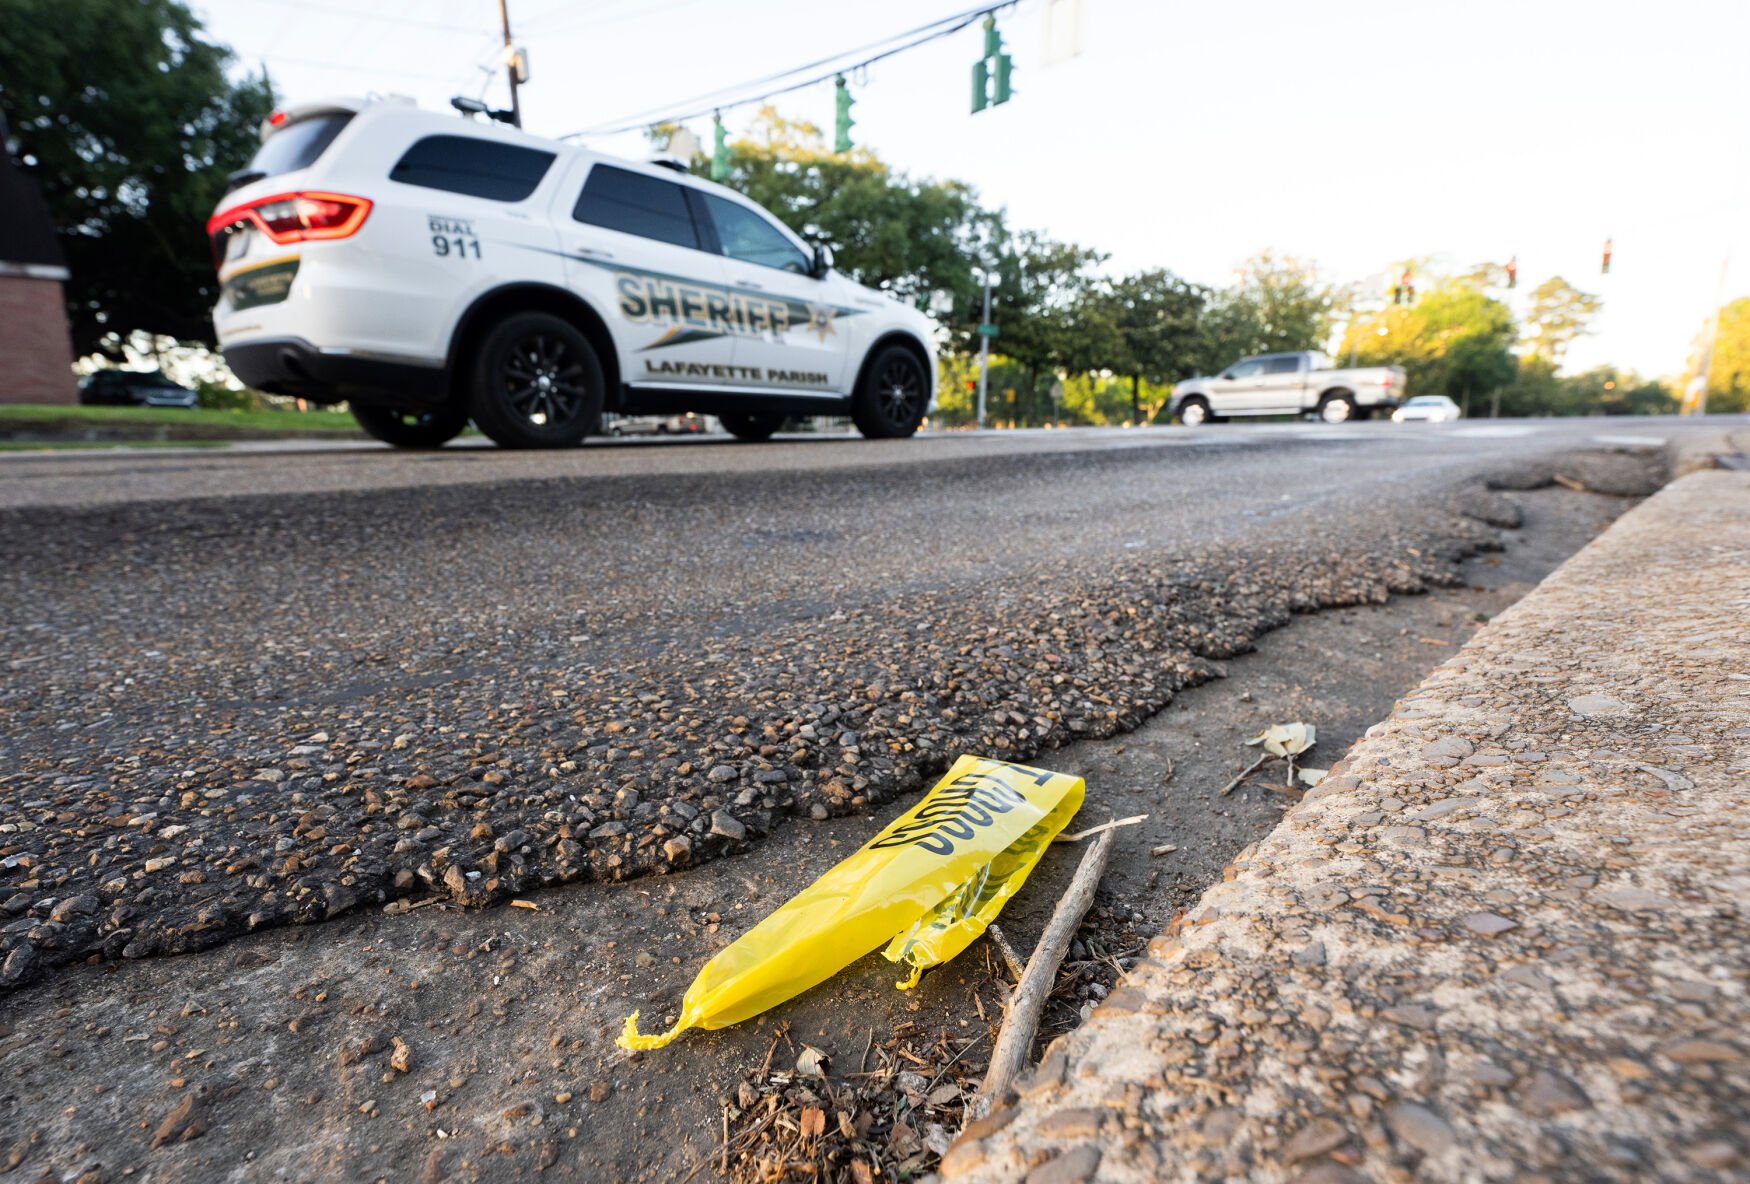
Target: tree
pixel 128 119
pixel 907 237
pixel 1154 319
pixel 1046 320
pixel 1452 341
pixel 1559 313
pixel 1605 390
pixel 1536 390
pixel 1728 387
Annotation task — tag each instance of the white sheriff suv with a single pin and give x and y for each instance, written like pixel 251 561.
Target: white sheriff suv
pixel 430 270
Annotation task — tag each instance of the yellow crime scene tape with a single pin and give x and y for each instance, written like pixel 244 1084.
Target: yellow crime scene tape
pixel 927 885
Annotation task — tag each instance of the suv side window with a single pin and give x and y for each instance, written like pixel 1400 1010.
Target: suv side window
pixel 749 237
pixel 633 203
pixel 473 166
pixel 1288 364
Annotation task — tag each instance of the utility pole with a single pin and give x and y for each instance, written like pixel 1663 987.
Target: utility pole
pixel 1713 339
pixel 510 64
pixel 986 330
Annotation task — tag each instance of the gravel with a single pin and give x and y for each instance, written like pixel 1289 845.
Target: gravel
pixel 225 715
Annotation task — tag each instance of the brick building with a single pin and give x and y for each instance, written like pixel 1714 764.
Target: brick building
pixel 36 352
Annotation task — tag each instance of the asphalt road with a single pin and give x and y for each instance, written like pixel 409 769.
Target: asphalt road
pixel 259 687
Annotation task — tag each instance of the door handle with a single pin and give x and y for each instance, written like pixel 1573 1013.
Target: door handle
pixel 591 251
pixel 754 286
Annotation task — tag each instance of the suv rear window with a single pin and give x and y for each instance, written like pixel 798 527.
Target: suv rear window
pixel 476 167
pixel 633 203
pixel 297 146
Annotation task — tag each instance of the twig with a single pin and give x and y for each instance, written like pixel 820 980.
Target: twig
pixel 1567 482
pixel 1168 775
pixel 1028 1001
pixel 1010 958
pixel 1078 836
pixel 1250 769
pixel 943 1072
pixel 726 1142
pixel 863 1061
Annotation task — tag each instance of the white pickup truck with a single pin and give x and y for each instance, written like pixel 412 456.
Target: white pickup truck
pixel 1288 384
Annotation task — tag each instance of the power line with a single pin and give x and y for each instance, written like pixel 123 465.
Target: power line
pixel 717 101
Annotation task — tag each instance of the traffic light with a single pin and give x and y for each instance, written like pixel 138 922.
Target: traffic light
pixel 1405 291
pixel 1606 270
pixel 1004 67
pixel 994 65
pixel 1513 272
pixel 719 150
pixel 842 126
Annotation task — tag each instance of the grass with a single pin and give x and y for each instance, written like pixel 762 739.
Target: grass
pixel 268 421
pixel 82 445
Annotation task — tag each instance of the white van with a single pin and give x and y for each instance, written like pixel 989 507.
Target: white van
pixel 431 270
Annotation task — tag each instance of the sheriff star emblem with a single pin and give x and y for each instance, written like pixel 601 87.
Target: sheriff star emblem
pixel 820 319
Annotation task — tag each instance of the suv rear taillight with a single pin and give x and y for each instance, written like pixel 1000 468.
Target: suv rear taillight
pixel 291 218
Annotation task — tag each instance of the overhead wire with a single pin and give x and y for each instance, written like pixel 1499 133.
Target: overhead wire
pixel 729 97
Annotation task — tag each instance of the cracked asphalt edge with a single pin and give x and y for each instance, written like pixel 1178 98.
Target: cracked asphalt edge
pixel 157 849
pixel 1504 940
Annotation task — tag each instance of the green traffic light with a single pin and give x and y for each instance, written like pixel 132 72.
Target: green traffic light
pixel 980 87
pixel 719 151
pixel 1005 67
pixel 844 123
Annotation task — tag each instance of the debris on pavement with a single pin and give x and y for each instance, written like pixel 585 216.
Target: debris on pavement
pixel 1028 1000
pixel 931 881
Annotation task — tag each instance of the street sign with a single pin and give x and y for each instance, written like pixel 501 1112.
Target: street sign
pixel 987 330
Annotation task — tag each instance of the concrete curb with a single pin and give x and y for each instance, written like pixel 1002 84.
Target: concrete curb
pixel 1707 450
pixel 1505 940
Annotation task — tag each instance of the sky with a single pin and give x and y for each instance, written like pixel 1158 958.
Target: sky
pixel 1353 133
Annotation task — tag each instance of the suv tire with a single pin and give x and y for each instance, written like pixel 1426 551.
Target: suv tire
pixel 752 428
pixel 891 400
pixel 411 429
pixel 1194 412
pixel 535 382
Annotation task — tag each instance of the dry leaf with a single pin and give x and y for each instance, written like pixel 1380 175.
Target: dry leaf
pixel 943 1094
pixel 810 1063
pixel 1286 739
pixel 860 1173
pixel 1312 776
pixel 813 1122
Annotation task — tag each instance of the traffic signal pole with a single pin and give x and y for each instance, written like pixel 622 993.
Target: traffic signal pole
pixel 984 353
pixel 516 109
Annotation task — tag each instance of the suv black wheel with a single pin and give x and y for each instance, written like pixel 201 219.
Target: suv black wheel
pixel 411 429
pixel 536 382
pixel 1194 412
pixel 893 397
pixel 751 427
